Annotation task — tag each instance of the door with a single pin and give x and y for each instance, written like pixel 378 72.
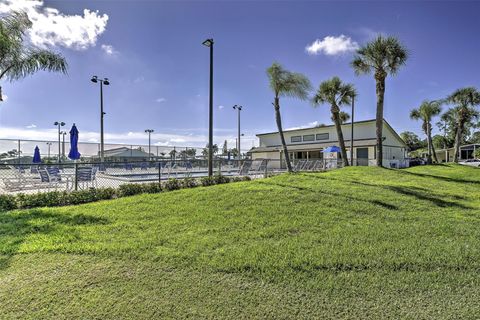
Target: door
pixel 362 156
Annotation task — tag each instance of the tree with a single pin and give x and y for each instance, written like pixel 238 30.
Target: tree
pixel 286 84
pixel 439 141
pixel 465 100
pixel 19 59
pixel 475 138
pixel 225 148
pixel 382 56
pixel 477 154
pixel 205 150
pixel 412 141
pixel 343 116
pixel 336 94
pixel 425 113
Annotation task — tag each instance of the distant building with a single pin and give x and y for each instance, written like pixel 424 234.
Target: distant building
pixel 309 143
pixel 126 154
pixel 466 152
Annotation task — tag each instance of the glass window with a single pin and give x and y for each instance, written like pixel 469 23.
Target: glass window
pixel 296 139
pixel 309 137
pixel 322 136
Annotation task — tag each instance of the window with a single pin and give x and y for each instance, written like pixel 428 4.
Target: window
pixel 309 137
pixel 322 136
pixel 296 139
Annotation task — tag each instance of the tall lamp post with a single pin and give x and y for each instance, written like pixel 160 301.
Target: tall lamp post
pixel 237 145
pixel 102 82
pixel 63 133
pixel 351 133
pixel 59 124
pixel 49 145
pixel 238 108
pixel 209 43
pixel 149 131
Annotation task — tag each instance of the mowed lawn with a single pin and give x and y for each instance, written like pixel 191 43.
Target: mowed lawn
pixel 352 243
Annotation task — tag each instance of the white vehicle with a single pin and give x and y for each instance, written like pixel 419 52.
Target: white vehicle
pixel 471 162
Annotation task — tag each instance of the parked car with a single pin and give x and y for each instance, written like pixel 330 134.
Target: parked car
pixel 471 162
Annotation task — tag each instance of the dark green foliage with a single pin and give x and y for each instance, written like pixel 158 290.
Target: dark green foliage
pixel 153 187
pixel 189 182
pixel 126 190
pixel 172 184
pixel 7 202
pixel 207 181
pixel 220 179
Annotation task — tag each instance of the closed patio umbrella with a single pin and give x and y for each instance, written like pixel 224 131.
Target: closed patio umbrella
pixel 74 154
pixel 36 155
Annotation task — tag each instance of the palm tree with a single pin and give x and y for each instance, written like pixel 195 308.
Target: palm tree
pixel 465 101
pixel 19 59
pixel 286 84
pixel 382 56
pixel 426 111
pixel 336 93
pixel 343 117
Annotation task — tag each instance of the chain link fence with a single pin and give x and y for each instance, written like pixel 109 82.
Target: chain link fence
pixel 32 178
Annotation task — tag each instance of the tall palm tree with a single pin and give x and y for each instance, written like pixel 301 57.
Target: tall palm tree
pixel 336 93
pixel 18 58
pixel 286 84
pixel 426 111
pixel 343 116
pixel 465 101
pixel 382 56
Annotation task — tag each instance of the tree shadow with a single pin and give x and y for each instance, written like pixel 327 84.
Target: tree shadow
pixel 383 204
pixel 442 178
pixel 17 226
pixel 417 192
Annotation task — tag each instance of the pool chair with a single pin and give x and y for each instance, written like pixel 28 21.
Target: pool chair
pixel 144 166
pixel 34 170
pixel 47 180
pixel 86 177
pixel 19 181
pixel 128 166
pixel 54 173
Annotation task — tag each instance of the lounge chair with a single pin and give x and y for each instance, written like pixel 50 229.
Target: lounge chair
pixel 86 177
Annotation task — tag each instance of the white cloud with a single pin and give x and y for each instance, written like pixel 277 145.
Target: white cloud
pixel 160 100
pixel 32 126
pixel 331 45
pixel 109 50
pixel 221 107
pixel 135 138
pixel 53 28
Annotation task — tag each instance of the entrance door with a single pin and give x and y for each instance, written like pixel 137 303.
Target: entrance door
pixel 362 156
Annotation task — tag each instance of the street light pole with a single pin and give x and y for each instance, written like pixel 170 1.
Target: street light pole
pixel 351 134
pixel 102 82
pixel 64 133
pixel 59 124
pixel 209 43
pixel 238 108
pixel 149 131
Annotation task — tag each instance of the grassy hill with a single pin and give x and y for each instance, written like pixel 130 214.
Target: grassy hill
pixel 352 243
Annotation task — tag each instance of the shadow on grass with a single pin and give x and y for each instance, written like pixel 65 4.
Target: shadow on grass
pixel 383 204
pixel 442 178
pixel 418 193
pixel 17 226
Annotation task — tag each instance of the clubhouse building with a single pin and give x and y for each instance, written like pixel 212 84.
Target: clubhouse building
pixel 309 143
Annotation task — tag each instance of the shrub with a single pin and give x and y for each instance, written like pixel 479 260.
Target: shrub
pixel 129 189
pixel 7 202
pixel 81 196
pixel 43 199
pixel 207 181
pixel 188 182
pixel 219 179
pixel 172 184
pixel 105 193
pixel 153 187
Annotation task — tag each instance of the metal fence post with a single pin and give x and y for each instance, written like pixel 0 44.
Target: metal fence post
pixel 76 176
pixel 160 173
pixel 266 168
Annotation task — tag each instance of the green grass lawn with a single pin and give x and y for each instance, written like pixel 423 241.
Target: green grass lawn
pixel 352 243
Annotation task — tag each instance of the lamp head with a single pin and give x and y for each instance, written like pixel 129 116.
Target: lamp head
pixel 55 123
pixel 106 82
pixel 94 79
pixel 208 42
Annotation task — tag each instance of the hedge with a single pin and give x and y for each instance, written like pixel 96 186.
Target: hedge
pixel 64 198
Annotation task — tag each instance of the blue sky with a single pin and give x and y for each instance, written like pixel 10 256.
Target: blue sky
pixel 152 53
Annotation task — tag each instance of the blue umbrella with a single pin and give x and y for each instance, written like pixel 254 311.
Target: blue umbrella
pixel 36 155
pixel 74 154
pixel 332 149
